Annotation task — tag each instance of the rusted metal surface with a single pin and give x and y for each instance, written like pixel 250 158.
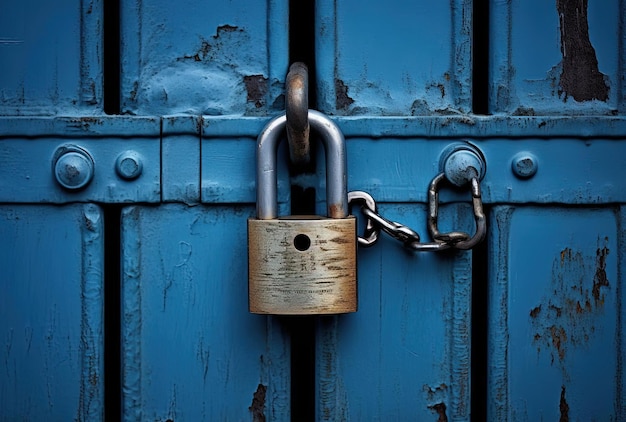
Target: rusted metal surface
pixel 555 314
pixel 297 111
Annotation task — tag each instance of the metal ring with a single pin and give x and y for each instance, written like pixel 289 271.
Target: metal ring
pixel 297 110
pixel 457 240
pixel 370 237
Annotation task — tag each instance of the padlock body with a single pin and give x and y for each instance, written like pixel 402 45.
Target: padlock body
pixel 302 265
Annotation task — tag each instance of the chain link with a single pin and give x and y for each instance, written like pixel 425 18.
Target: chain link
pixel 409 237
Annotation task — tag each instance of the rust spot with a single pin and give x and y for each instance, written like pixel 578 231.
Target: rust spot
pixel 600 279
pixel 225 28
pixel 559 338
pixel 336 211
pixel 446 76
pixel 580 76
pixel 342 100
pixel 535 311
pixel 442 89
pixel 257 408
pixel 440 409
pixel 524 111
pixel 256 86
pixel 563 407
pixel 200 54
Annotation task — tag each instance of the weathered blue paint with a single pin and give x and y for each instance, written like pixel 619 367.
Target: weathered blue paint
pixel 530 68
pixel 205 79
pixel 204 58
pixel 405 353
pixel 51 55
pixel 191 350
pixel 51 312
pixel 396 58
pixel 555 314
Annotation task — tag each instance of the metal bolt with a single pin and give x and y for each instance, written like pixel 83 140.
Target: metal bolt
pixel 524 165
pixel 74 167
pixel 129 165
pixel 461 162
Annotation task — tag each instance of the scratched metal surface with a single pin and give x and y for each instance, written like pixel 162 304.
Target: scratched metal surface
pixel 51 310
pixel 393 57
pixel 51 55
pixel 556 57
pixel 191 350
pixel 556 314
pixel 208 58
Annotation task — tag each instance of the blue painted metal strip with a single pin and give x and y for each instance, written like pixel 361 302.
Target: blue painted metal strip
pixel 191 349
pixel 180 159
pixel 51 312
pixel 405 353
pixel 27 170
pixel 590 171
pixel 558 319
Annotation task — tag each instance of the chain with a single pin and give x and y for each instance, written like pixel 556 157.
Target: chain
pixel 409 237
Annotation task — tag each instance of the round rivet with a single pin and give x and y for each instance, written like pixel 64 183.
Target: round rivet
pixel 129 165
pixel 73 168
pixel 524 165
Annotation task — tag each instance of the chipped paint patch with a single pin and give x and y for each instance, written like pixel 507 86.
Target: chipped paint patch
pixel 256 87
pixel 440 410
pixel 257 408
pixel 204 78
pixel 563 407
pixel 580 77
pixel 342 99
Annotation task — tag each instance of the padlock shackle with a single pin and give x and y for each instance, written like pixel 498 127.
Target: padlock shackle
pixel 266 165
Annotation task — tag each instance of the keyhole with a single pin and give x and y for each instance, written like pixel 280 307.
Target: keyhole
pixel 302 242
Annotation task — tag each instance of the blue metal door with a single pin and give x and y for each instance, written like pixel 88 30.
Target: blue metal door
pixel 127 163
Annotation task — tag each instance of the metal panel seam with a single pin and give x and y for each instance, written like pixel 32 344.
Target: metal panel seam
pixel 131 315
pixel 91 401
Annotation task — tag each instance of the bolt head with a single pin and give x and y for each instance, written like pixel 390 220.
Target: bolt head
pixel 129 165
pixel 74 169
pixel 524 165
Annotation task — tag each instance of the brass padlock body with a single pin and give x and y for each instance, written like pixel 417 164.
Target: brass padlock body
pixel 302 265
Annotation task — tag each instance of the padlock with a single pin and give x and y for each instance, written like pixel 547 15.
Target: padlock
pixel 302 265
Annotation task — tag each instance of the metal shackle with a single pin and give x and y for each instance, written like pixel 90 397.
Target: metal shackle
pixel 266 166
